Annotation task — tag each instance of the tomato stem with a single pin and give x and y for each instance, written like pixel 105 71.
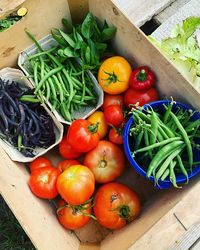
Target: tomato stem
pixel 112 78
pixel 93 128
pixel 123 212
pixel 142 75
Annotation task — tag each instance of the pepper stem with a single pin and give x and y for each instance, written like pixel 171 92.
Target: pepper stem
pixel 142 75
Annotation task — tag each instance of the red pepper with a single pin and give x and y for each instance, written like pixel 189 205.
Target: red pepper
pixel 142 78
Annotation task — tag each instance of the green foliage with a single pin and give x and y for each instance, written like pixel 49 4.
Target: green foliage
pixel 8 21
pixel 12 236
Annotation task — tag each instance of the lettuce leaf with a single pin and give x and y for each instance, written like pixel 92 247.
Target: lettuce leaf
pixel 183 48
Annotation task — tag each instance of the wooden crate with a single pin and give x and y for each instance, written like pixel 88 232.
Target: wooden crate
pixel 163 210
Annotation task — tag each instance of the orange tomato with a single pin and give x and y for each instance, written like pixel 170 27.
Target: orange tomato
pixel 114 74
pixel 98 117
pixel 76 184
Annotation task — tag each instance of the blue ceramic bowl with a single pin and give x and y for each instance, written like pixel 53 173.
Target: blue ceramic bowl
pixel 180 179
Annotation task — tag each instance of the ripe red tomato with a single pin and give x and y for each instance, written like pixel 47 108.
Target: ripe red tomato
pixel 106 161
pixel 115 136
pixel 67 151
pixel 63 165
pixel 140 97
pixel 112 100
pixel 113 115
pixel 40 162
pixel 82 135
pixel 42 182
pixel 116 204
pixel 73 217
pixel 76 184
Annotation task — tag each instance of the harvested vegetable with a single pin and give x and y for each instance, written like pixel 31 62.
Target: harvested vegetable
pixel 61 81
pixel 88 41
pixel 163 141
pixel 73 216
pixel 67 184
pixel 115 205
pixel 183 48
pixel 142 78
pixel 114 74
pixel 24 124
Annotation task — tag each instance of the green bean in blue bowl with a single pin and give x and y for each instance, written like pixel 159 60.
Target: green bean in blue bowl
pixel 162 142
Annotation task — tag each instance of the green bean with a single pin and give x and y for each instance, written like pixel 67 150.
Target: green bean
pixel 167 113
pixel 182 168
pixel 50 73
pixel 138 140
pixel 52 88
pixel 167 161
pixel 165 175
pixel 29 98
pixel 146 141
pixel 158 144
pixel 161 155
pixel 62 83
pixel 172 174
pixel 41 53
pixel 192 125
pixel 65 112
pixel 162 133
pixel 83 92
pixel 60 90
pixel 185 138
pixel 154 128
pixel 35 70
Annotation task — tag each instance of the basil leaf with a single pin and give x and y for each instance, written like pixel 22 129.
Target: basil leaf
pixel 68 52
pixel 68 25
pixel 58 38
pixel 108 33
pixel 87 28
pixel 87 55
pixel 67 38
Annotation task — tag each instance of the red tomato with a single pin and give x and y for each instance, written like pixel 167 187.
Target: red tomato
pixel 113 115
pixel 73 217
pixel 140 97
pixel 40 162
pixel 76 184
pixel 116 204
pixel 42 182
pixel 63 165
pixel 112 100
pixel 115 136
pixel 67 151
pixel 82 135
pixel 106 161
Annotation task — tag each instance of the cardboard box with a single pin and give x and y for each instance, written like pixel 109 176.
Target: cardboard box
pixel 157 227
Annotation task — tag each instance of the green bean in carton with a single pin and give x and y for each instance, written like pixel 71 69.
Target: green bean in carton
pixel 28 129
pixel 70 90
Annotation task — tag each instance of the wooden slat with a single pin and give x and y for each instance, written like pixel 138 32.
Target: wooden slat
pixel 140 11
pixel 172 227
pixel 169 11
pixel 7 6
pixel 189 9
pixel 42 16
pixel 188 239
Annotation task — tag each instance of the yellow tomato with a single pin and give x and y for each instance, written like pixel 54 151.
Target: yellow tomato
pixel 114 74
pixel 98 117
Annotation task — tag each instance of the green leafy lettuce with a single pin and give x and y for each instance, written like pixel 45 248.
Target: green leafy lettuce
pixel 183 48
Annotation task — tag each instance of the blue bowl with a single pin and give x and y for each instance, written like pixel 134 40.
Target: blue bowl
pixel 158 105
